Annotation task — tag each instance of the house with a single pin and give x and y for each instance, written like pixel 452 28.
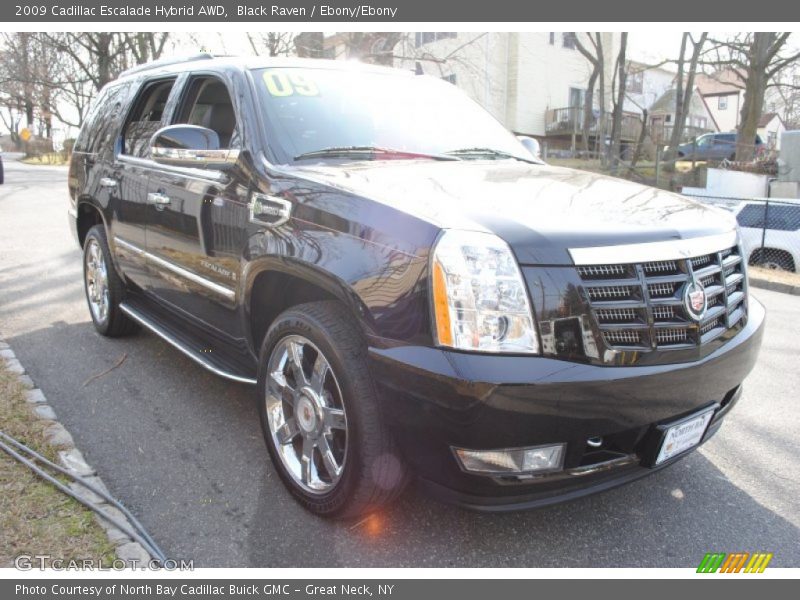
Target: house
pixel 646 84
pixel 533 82
pixel 723 94
pixel 699 119
pixel 770 129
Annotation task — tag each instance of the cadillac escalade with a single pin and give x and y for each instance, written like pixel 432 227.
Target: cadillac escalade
pixel 412 292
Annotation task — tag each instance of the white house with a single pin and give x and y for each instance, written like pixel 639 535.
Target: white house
pixel 699 119
pixel 646 84
pixel 533 82
pixel 770 129
pixel 723 94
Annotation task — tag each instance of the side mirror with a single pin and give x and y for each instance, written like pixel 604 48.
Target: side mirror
pixel 531 145
pixel 190 146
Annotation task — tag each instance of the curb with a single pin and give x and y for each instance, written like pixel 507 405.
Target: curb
pixel 70 458
pixel 775 286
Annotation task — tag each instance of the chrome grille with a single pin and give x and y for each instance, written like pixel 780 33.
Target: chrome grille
pixel 661 289
pixel 610 292
pixel 663 313
pixel 602 271
pixel 605 315
pixel 641 306
pixel 623 338
pixel 661 267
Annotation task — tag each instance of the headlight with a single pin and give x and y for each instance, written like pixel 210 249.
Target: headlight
pixel 479 298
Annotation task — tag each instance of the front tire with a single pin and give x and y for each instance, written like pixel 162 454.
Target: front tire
pixel 320 414
pixel 103 286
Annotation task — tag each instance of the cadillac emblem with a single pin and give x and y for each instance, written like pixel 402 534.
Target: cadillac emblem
pixel 694 299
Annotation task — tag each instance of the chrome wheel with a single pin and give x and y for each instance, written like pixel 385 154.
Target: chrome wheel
pixel 96 281
pixel 306 414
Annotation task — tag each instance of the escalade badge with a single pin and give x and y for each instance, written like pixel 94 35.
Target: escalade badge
pixel 694 298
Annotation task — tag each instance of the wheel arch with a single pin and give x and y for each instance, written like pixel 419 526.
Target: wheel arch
pixel 274 284
pixel 756 255
pixel 88 215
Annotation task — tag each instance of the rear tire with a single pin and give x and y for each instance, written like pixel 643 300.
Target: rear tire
pixel 770 258
pixel 322 424
pixel 103 286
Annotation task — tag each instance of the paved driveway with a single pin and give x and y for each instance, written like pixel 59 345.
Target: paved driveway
pixel 183 449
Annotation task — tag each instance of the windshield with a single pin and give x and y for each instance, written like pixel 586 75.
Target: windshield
pixel 311 110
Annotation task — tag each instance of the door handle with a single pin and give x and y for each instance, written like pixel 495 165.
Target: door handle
pixel 160 200
pixel 108 182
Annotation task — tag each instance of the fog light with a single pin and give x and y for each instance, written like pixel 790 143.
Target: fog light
pixel 512 461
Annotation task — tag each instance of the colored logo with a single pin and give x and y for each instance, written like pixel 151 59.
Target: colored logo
pixel 694 298
pixel 738 562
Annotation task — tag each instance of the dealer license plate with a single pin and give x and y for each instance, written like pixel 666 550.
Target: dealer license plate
pixel 683 436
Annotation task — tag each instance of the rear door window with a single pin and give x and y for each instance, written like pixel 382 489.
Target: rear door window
pixel 101 124
pixel 146 117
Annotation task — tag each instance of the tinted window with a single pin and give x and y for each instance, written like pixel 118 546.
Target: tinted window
pixel 752 215
pixel 145 118
pixel 208 104
pixel 102 121
pixel 781 217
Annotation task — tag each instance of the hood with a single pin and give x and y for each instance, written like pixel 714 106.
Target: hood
pixel 539 210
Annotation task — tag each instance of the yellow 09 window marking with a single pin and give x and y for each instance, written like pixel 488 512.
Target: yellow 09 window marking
pixel 283 82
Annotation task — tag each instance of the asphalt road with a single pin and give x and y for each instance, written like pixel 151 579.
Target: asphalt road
pixel 183 449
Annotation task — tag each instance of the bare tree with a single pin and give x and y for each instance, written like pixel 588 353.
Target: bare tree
pixel 310 44
pixel 272 43
pixel 756 59
pixel 147 45
pixel 620 81
pixel 594 53
pixel 687 63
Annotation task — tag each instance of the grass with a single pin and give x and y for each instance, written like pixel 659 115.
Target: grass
pixel 36 518
pixel 776 275
pixel 49 159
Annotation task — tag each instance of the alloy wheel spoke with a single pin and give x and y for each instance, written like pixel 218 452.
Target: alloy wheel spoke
pixel 296 359
pixel 307 460
pixel 334 418
pixel 319 374
pixel 329 460
pixel 287 432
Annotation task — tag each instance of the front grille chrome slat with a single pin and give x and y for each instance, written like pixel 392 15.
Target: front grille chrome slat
pixel 641 306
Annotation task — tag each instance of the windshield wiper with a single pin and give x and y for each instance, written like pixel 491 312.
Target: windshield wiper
pixel 365 151
pixel 478 151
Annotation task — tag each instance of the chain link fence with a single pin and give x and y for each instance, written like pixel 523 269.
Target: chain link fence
pixel 770 229
pixel 651 163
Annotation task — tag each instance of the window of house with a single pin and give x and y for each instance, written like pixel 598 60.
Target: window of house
pixel 668 119
pixel 208 104
pixel 722 103
pixel 426 37
pixel 568 39
pixel 450 78
pixel 552 38
pixel 635 82
pixel 145 118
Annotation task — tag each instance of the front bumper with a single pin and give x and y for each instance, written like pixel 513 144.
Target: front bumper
pixel 436 399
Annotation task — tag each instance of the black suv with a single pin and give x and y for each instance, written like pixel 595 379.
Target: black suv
pixel 409 289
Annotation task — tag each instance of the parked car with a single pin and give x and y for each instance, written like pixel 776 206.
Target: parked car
pixel 715 146
pixel 771 233
pixel 409 296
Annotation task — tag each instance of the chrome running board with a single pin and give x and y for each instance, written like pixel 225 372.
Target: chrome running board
pixel 165 335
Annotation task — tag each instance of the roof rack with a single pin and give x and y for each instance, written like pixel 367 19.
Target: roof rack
pixel 165 62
